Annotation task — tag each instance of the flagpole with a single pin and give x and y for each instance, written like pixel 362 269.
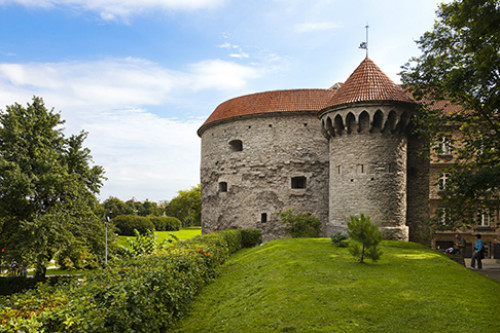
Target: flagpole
pixel 367 26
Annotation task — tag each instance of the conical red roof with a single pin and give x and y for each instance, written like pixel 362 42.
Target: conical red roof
pixel 368 84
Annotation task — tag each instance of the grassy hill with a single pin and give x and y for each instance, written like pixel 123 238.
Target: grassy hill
pixel 307 285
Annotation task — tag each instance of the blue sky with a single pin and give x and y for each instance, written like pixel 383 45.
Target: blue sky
pixel 142 76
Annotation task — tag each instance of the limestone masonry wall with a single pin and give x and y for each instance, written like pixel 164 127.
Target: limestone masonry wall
pixel 252 168
pixel 368 166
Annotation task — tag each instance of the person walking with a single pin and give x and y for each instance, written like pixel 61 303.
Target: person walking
pixel 478 253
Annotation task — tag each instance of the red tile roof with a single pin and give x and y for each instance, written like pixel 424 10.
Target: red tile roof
pixel 272 101
pixel 367 84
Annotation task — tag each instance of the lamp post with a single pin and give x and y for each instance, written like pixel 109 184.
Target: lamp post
pixel 106 221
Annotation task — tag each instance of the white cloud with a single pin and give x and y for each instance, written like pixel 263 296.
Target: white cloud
pixel 237 51
pixel 113 9
pixel 145 155
pixel 315 26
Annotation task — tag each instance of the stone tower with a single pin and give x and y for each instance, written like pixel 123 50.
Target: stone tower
pixel 267 152
pixel 366 123
pixel 261 154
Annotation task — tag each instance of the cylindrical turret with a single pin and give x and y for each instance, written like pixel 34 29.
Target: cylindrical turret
pixel 366 123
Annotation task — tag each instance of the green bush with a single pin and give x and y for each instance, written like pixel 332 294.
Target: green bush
pixel 340 239
pixel 166 223
pixel 138 294
pixel 125 224
pixel 251 237
pixel 300 224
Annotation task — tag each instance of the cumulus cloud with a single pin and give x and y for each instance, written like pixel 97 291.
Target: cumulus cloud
pixel 315 26
pixel 113 9
pixel 146 154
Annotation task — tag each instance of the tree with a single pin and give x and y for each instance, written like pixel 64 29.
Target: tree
pixel 114 207
pixel 367 234
pixel 186 207
pixel 300 224
pixel 460 63
pixel 47 187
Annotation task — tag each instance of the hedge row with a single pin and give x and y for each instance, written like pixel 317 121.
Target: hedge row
pixel 142 294
pixel 125 224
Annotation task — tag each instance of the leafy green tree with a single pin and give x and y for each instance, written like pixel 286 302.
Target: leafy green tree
pixel 47 186
pixel 113 207
pixel 460 63
pixel 186 206
pixel 300 224
pixel 367 236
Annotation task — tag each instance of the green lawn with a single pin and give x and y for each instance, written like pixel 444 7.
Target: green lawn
pixel 184 233
pixel 307 285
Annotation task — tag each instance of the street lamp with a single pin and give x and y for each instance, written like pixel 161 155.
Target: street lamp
pixel 106 221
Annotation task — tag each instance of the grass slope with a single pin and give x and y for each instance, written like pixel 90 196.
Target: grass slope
pixel 307 285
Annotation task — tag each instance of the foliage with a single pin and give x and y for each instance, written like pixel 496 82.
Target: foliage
pixel 306 285
pixel 460 63
pixel 186 206
pixel 48 188
pixel 366 237
pixel 148 243
pixel 113 207
pixel 126 224
pixel 251 237
pixel 339 239
pixel 300 224
pixel 146 293
pixel 166 223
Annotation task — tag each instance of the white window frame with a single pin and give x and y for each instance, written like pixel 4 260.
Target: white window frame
pixel 443 179
pixel 444 148
pixel 484 217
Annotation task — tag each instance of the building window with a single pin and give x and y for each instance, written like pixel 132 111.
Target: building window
pixel 442 215
pixel 443 179
pixel 483 217
pixel 223 187
pixel 236 145
pixel 299 182
pixel 361 168
pixel 263 217
pixel 391 167
pixel 444 148
pixel 339 169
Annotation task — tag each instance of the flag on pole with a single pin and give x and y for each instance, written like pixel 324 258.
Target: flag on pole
pixel 363 46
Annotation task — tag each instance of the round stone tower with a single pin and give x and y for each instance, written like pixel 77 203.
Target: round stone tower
pixel 261 154
pixel 366 123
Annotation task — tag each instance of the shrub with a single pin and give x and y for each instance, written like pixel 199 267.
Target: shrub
pixel 127 223
pixel 147 293
pixel 166 223
pixel 301 224
pixel 367 235
pixel 340 239
pixel 251 237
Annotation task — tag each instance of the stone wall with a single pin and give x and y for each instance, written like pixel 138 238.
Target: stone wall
pixel 247 188
pixel 368 166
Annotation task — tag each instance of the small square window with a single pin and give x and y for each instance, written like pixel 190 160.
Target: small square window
pixel 299 182
pixel 236 145
pixel 223 187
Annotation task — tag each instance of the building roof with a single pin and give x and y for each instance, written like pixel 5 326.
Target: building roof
pixel 269 102
pixel 368 84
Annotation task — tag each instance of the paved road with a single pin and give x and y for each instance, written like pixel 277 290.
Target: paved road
pixel 491 268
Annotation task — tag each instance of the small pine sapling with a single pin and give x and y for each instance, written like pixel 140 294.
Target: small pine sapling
pixel 366 236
